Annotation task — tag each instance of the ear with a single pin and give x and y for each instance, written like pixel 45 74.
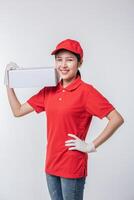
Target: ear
pixel 80 63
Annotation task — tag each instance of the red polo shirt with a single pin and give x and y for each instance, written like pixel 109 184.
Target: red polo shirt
pixel 68 110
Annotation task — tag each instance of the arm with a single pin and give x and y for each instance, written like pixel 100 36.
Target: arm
pixel 115 121
pixel 18 109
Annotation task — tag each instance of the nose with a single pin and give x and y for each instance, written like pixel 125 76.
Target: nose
pixel 64 64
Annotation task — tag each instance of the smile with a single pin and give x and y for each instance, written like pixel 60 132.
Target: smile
pixel 64 71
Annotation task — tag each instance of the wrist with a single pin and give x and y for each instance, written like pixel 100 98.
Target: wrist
pixel 91 147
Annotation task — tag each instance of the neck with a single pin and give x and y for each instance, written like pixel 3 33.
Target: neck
pixel 65 82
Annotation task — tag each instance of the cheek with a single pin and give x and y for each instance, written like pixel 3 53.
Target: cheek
pixel 56 64
pixel 70 64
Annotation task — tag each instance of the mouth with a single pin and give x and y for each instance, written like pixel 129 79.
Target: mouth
pixel 64 71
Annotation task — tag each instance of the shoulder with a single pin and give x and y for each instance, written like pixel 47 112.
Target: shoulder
pixel 45 90
pixel 87 86
pixel 90 89
pixel 50 89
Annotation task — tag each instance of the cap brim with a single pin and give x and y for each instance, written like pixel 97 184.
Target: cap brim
pixel 56 50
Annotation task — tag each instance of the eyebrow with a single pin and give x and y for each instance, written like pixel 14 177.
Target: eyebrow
pixel 66 57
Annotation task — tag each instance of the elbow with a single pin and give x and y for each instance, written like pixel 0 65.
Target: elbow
pixel 16 114
pixel 121 120
pixel 116 117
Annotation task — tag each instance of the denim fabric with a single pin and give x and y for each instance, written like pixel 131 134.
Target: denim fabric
pixel 65 188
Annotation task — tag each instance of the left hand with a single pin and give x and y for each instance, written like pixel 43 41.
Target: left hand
pixel 80 145
pixel 9 66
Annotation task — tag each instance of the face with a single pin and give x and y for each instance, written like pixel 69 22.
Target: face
pixel 66 64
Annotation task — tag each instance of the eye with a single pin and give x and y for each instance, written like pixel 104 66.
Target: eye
pixel 69 60
pixel 58 59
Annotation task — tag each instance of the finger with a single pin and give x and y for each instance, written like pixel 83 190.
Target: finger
pixel 70 144
pixel 72 135
pixel 13 64
pixel 10 67
pixel 72 148
pixel 67 141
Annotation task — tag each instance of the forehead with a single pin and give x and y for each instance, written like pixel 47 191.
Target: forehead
pixel 65 53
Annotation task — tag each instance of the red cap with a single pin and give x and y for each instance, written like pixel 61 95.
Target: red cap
pixel 70 45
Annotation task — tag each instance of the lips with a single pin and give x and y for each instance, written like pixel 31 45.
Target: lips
pixel 64 71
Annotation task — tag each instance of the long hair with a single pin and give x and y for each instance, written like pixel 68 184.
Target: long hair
pixel 78 73
pixel 78 59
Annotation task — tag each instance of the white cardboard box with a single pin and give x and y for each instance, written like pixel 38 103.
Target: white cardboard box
pixel 33 77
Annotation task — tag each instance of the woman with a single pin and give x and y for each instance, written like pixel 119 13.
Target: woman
pixel 69 108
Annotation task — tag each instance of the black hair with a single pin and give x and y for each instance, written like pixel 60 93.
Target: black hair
pixel 78 73
pixel 77 56
pixel 78 59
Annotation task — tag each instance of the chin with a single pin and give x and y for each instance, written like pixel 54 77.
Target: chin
pixel 67 78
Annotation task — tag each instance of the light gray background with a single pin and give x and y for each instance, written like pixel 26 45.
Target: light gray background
pixel 29 31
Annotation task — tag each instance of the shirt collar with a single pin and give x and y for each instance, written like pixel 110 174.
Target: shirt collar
pixel 72 86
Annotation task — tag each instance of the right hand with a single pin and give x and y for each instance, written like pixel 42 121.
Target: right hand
pixel 9 66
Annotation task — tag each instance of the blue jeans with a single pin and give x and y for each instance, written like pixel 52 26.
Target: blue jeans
pixel 65 188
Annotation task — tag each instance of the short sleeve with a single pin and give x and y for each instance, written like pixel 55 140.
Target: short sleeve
pixel 97 104
pixel 37 101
